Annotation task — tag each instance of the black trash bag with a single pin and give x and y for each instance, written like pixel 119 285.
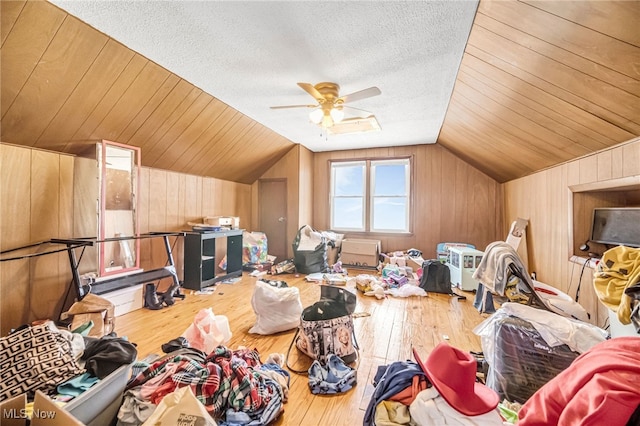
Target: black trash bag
pixel 436 277
pixel 310 261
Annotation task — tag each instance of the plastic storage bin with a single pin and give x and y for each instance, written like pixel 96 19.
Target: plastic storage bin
pixel 99 405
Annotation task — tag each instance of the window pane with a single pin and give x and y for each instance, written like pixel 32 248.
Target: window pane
pixel 347 213
pixel 390 179
pixel 348 180
pixel 390 213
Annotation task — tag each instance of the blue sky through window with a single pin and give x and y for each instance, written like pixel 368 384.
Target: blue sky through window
pixel 388 201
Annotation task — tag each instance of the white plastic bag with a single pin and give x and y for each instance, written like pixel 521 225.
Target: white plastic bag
pixel 180 407
pixel 208 331
pixel 406 290
pixel 277 308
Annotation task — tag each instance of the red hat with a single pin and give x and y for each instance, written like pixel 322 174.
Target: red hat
pixel 453 373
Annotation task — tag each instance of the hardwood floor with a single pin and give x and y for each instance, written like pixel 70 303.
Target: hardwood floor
pixel 386 330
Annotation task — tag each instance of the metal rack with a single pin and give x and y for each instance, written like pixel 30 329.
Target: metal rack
pixel 108 284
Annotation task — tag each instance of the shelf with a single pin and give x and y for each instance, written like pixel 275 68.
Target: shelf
pixel 203 252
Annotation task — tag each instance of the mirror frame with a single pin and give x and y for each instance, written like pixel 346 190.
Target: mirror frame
pixel 135 191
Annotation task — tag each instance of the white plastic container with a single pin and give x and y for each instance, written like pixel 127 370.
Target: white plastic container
pixel 463 262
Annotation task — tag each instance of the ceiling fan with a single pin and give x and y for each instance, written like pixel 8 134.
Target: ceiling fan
pixel 330 107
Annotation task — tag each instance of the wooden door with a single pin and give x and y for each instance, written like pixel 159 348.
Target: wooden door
pixel 272 215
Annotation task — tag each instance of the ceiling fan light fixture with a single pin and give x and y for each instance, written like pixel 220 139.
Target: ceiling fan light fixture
pixel 316 116
pixel 327 121
pixel 337 114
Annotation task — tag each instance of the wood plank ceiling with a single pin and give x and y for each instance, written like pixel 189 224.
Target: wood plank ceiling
pixel 541 82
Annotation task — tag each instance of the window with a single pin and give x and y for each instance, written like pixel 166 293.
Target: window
pixel 370 195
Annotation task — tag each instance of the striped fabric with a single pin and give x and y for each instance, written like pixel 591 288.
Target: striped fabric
pixel 226 380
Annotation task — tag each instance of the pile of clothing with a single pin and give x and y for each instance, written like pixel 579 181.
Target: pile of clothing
pixel 58 362
pixel 441 390
pixel 229 384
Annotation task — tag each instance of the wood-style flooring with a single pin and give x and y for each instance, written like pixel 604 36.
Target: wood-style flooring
pixel 386 330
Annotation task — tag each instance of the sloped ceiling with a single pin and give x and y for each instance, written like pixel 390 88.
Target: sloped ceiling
pixel 538 82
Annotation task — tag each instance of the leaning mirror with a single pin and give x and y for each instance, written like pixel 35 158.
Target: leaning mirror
pixel 118 225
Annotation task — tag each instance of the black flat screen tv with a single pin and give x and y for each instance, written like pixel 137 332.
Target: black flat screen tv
pixel 616 226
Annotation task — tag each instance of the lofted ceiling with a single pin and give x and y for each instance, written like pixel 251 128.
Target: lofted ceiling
pixel 509 86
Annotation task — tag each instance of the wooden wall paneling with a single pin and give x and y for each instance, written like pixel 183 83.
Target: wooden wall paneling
pixel 131 101
pixel 595 95
pixel 462 197
pixel 24 46
pixel 208 200
pixel 487 159
pixel 86 96
pixel 448 182
pixel 554 88
pixel 229 141
pixel 165 116
pixel 15 220
pixel 144 213
pixel 588 169
pixel 536 138
pixel 237 143
pixel 158 203
pixel 244 206
pixel 604 165
pixel 572 42
pixel 266 158
pixel 45 286
pixel 227 196
pixel 191 208
pixel 475 127
pixel 478 61
pixel 253 142
pixel 200 196
pixel 217 195
pixel 598 16
pixel 66 59
pixel 430 199
pixel 188 146
pixel 573 173
pixel 85 209
pixel 550 120
pixel 9 12
pixel 146 111
pixel 617 161
pixel 172 221
pixel 631 157
pixel 164 140
pixel 66 229
pixel 110 99
pixel 305 190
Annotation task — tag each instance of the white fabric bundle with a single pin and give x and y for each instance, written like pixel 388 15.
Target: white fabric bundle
pixel 277 308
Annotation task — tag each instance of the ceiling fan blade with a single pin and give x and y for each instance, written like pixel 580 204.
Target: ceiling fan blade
pixel 359 109
pixel 362 94
pixel 310 89
pixel 293 106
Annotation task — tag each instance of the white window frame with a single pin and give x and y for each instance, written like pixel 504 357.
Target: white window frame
pixel 407 193
pixel 363 196
pixel 368 198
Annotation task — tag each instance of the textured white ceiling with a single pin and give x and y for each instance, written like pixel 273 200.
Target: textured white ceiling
pixel 250 55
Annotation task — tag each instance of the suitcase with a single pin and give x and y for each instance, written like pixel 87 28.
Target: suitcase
pixel 522 362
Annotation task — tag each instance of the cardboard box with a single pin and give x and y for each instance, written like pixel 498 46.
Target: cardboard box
pixel 229 222
pixel 356 252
